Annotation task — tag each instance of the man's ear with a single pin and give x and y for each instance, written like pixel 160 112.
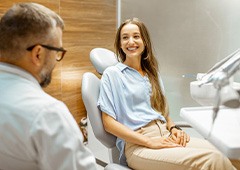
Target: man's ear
pixel 37 55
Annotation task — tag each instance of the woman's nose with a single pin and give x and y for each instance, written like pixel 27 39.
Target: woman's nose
pixel 131 40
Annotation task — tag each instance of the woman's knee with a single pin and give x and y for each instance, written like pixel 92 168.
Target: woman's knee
pixel 217 160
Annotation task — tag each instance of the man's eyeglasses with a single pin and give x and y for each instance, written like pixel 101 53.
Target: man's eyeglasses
pixel 60 51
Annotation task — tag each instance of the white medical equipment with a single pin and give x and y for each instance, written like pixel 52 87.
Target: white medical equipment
pixel 216 87
pixel 218 118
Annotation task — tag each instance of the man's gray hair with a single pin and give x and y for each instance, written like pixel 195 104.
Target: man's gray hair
pixel 26 24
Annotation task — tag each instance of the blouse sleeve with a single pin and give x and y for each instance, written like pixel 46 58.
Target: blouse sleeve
pixel 106 96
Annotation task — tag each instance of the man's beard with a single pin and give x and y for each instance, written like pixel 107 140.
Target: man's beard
pixel 46 79
pixel 46 75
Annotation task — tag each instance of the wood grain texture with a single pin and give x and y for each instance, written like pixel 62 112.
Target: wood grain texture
pixel 88 24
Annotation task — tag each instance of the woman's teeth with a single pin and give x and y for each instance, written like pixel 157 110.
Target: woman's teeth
pixel 131 49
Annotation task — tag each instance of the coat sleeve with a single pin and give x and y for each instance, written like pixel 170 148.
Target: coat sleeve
pixel 58 140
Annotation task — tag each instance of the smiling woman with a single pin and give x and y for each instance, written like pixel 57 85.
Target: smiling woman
pixel 132 43
pixel 135 110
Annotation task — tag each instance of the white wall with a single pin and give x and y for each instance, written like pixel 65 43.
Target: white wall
pixel 189 36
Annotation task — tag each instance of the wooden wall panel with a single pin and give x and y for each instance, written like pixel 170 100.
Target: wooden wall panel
pixel 88 24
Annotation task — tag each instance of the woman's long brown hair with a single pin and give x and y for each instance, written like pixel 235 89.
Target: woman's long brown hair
pixel 149 64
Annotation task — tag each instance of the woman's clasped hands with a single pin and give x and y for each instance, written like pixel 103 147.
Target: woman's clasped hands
pixel 177 138
pixel 180 137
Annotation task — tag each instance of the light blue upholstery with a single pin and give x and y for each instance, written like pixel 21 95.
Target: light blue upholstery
pixel 101 59
pixel 90 93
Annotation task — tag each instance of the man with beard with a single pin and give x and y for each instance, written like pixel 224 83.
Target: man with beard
pixel 36 130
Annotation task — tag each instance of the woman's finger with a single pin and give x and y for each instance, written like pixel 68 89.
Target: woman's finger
pixel 182 138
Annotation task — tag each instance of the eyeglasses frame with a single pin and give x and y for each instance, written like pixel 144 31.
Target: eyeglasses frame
pixel 50 48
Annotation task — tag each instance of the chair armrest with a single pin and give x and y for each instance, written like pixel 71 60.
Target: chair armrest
pixel 183 124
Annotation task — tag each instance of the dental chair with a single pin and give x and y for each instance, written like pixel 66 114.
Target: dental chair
pixel 102 58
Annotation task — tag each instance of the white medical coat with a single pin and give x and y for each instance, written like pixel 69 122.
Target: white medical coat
pixel 37 131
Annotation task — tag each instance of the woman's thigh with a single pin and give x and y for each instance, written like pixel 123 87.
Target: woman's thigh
pixel 198 154
pixel 175 158
pixel 204 144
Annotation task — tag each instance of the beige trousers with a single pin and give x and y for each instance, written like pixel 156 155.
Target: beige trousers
pixel 199 154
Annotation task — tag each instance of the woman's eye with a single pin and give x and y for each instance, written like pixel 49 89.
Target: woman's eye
pixel 124 38
pixel 136 36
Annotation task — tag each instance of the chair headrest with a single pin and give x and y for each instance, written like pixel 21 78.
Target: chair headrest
pixel 102 58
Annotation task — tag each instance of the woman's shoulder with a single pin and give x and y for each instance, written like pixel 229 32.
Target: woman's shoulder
pixel 112 73
pixel 112 69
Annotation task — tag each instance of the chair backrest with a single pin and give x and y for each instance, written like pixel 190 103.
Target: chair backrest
pixel 102 58
pixel 90 93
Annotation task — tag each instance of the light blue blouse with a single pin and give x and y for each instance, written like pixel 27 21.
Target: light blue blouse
pixel 125 96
